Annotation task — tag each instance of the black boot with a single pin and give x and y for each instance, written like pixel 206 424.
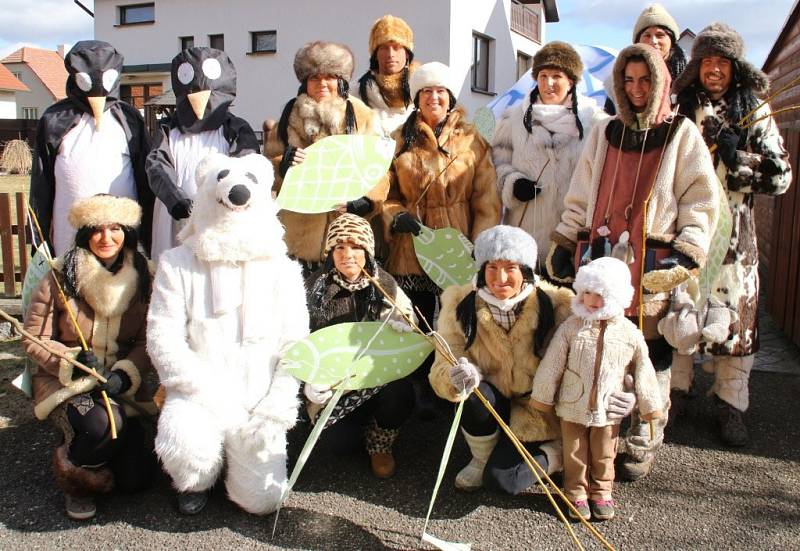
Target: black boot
pixel 191 503
pixel 732 429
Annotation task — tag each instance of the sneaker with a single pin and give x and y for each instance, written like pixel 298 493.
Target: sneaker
pixel 382 464
pixel 732 429
pixel 582 507
pixel 602 509
pixel 79 508
pixel 632 470
pixel 679 401
pixel 191 503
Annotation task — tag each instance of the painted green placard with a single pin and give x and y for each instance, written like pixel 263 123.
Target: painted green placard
pixel 718 249
pixel 37 269
pixel 336 169
pixel 484 122
pixel 357 355
pixel 445 255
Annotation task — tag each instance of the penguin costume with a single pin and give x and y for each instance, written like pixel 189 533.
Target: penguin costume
pixel 204 83
pixel 88 143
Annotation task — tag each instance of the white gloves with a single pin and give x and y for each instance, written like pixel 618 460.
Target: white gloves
pixel 317 394
pixel 400 326
pixel 464 376
pixel 621 402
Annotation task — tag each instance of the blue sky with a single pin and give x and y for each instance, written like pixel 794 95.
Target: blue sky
pixel 47 23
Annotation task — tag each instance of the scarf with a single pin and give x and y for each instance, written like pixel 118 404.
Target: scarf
pixel 556 119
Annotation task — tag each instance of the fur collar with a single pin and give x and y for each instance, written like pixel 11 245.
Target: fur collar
pixel 109 294
pixel 509 303
pixel 455 124
pixel 390 88
pixel 315 120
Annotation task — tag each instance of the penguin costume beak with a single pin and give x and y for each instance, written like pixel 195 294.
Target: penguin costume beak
pixel 98 105
pixel 198 101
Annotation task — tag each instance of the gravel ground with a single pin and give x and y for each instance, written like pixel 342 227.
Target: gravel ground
pixel 699 496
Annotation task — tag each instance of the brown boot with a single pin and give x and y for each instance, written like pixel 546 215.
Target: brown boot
pixel 379 442
pixel 80 484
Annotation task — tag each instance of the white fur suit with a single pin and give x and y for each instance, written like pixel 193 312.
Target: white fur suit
pixel 226 303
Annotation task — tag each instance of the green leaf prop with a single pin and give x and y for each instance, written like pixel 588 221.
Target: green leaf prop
pixel 445 255
pixel 37 269
pixel 357 355
pixel 336 169
pixel 720 242
pixel 484 122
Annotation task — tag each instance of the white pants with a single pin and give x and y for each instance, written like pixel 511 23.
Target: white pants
pixel 731 377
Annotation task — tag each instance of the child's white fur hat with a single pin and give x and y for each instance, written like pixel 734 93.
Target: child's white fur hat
pixel 609 278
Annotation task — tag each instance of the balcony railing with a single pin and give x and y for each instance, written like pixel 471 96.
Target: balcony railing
pixel 525 21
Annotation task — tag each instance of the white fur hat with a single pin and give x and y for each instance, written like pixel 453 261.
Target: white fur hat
pixel 430 74
pixel 506 243
pixel 609 278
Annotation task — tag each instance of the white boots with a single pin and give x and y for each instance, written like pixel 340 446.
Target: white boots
pixel 470 478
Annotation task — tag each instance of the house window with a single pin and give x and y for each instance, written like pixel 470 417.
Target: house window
pixel 139 94
pixel 524 63
pixel 30 112
pixel 264 41
pixel 187 42
pixel 481 61
pixel 17 76
pixel 137 13
pixel 217 41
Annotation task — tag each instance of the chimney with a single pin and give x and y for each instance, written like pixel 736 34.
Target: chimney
pixel 61 50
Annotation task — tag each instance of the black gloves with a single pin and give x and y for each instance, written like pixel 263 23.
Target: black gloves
pixel 405 223
pixel 525 189
pixel 560 264
pixel 727 144
pixel 182 209
pixel 286 161
pixel 360 206
pixel 87 358
pixel 117 383
pixel 677 258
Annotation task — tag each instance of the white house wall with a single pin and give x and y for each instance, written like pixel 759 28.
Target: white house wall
pixel 266 81
pixel 8 105
pixel 38 96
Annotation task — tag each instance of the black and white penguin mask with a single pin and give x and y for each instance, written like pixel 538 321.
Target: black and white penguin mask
pixel 204 83
pixel 94 68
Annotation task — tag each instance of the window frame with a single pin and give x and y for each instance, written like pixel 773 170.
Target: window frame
pixel 253 38
pixel 184 39
pixel 27 111
pixel 477 38
pixel 211 38
pixel 123 9
pixel 528 62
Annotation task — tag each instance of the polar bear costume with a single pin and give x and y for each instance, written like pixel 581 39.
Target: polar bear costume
pixel 226 303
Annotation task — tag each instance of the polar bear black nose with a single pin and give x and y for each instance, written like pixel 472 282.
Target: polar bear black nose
pixel 239 195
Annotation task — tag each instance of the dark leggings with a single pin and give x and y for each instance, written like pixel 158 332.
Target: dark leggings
pixel 505 471
pixel 425 301
pixel 130 456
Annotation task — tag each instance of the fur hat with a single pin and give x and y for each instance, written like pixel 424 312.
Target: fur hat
pixel 390 29
pixel 609 278
pixel 349 228
pixel 430 74
pixel 718 39
pixel 655 15
pixel 505 243
pixel 103 209
pixel 323 58
pixel 558 55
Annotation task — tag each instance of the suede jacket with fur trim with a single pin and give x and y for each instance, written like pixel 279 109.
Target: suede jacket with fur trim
pixel 310 121
pixel 506 360
pixel 461 189
pixel 111 319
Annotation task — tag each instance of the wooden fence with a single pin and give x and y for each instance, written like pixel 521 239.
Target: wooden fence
pixel 13 222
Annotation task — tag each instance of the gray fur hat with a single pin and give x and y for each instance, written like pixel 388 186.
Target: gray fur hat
pixel 505 243
pixel 718 39
pixel 323 58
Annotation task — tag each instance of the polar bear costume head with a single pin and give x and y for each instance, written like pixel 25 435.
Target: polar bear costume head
pixel 234 218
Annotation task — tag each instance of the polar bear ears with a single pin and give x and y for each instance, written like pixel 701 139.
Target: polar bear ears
pixel 252 166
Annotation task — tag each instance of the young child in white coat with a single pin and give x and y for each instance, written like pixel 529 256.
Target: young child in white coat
pixel 588 359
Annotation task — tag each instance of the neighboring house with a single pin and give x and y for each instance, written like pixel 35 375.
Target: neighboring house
pixel 43 72
pixel 10 86
pixel 686 41
pixel 486 43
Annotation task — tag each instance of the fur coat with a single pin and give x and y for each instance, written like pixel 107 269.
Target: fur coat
pixel 505 359
pixel 310 121
pixel 460 183
pixel 546 155
pixel 112 320
pixel 384 94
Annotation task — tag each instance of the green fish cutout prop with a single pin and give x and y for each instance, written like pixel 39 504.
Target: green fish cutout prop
pixel 718 249
pixel 446 256
pixel 37 269
pixel 484 122
pixel 336 169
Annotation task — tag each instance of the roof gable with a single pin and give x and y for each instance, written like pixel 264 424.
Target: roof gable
pixel 47 65
pixel 9 82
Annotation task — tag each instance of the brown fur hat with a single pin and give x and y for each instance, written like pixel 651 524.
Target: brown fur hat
pixel 349 228
pixel 558 55
pixel 103 209
pixel 390 29
pixel 323 58
pixel 655 15
pixel 718 39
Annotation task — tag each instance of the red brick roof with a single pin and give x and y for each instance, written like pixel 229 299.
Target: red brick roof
pixel 9 82
pixel 47 65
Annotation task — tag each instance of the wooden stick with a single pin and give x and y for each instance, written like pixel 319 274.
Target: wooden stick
pixel 713 147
